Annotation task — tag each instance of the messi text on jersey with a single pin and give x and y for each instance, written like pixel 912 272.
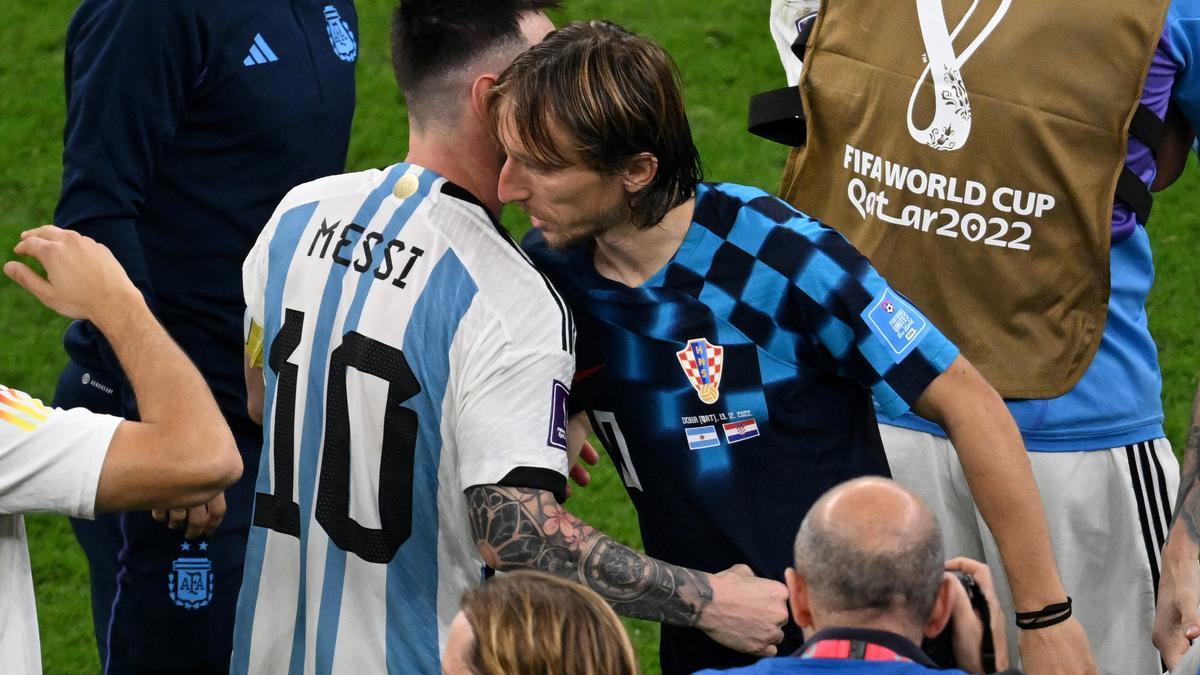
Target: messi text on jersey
pixel 348 246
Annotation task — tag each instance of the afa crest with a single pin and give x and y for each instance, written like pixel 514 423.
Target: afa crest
pixel 340 35
pixel 701 362
pixel 191 582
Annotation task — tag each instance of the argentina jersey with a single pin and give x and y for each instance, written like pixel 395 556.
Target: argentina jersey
pixel 409 351
pixel 734 386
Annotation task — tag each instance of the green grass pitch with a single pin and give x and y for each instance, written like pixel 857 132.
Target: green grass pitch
pixel 725 54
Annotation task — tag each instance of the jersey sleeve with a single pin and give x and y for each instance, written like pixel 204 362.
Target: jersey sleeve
pixel 1183 33
pixel 866 329
pixel 50 459
pixel 254 292
pixel 511 426
pixel 784 17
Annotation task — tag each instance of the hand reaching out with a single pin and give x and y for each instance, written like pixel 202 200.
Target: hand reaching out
pixel 83 280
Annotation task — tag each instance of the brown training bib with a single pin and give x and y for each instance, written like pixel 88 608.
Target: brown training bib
pixel 973 157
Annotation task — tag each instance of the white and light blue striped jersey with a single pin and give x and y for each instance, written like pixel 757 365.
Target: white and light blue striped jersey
pixel 410 351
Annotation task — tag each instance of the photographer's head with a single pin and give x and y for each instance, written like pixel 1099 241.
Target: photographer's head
pixel 869 555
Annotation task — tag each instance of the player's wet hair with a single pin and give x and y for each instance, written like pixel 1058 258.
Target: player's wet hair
pixel 616 95
pixel 532 622
pixel 432 38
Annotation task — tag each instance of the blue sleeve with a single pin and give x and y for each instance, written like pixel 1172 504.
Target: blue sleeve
pixel 870 332
pixel 1183 34
pixel 130 68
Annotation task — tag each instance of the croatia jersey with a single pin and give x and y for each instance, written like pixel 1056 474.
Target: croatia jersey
pixel 50 461
pixel 410 351
pixel 734 387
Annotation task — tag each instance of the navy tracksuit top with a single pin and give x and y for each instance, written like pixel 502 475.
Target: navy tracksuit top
pixel 187 122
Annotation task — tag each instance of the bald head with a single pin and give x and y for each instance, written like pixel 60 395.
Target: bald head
pixel 869 545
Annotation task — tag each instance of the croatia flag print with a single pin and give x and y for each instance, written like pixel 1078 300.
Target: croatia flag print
pixel 740 430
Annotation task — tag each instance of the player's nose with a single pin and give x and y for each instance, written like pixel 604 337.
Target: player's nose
pixel 511 187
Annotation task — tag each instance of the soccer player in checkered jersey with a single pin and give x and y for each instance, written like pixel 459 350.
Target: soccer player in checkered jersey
pixel 413 387
pixel 729 346
pixel 79 463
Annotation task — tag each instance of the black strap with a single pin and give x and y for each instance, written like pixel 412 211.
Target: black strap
pixel 1132 192
pixel 858 650
pixel 1050 615
pixel 804 27
pixel 1147 127
pixel 778 115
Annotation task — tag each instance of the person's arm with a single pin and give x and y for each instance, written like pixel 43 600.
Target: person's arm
pixel 526 528
pixel 181 453
pixel 1177 621
pixel 130 67
pixel 255 391
pixel 1001 480
pixel 513 450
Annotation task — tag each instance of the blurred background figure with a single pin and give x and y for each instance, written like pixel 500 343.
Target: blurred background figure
pixel 536 624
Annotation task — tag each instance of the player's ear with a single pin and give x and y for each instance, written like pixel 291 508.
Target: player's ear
pixel 479 95
pixel 639 172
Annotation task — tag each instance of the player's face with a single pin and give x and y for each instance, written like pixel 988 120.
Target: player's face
pixel 459 644
pixel 568 205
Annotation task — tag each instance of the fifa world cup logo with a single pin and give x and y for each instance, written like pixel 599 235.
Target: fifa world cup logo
pixel 951 124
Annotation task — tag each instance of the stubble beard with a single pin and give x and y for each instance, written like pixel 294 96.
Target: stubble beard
pixel 585 232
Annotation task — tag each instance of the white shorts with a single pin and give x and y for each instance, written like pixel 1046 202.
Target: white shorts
pixel 1108 512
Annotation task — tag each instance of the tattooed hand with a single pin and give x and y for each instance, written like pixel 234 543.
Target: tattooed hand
pixel 1176 621
pixel 525 528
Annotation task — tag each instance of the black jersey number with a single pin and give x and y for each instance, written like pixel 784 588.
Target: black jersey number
pixel 279 510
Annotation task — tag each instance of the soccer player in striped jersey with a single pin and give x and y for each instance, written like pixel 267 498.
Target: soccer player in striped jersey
pixel 79 463
pixel 414 376
pixel 729 345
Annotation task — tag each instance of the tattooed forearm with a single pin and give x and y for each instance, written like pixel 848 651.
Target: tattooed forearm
pixel 521 528
pixel 1187 504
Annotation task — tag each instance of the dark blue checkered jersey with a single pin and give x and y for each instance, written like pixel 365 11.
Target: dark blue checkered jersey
pixel 734 387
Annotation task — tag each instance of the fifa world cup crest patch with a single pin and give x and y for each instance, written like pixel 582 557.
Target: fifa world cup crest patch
pixel 701 362
pixel 190 581
pixel 340 35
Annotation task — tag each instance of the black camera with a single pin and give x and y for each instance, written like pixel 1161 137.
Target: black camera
pixel 940 648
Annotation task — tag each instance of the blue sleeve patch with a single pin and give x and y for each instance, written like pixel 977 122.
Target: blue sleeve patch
pixel 896 323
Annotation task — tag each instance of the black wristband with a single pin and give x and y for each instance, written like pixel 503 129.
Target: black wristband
pixel 1050 615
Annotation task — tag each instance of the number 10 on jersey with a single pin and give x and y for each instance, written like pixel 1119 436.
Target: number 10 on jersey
pixel 279 510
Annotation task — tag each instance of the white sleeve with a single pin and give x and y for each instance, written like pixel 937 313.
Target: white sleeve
pixel 784 15
pixel 512 414
pixel 254 275
pixel 50 459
